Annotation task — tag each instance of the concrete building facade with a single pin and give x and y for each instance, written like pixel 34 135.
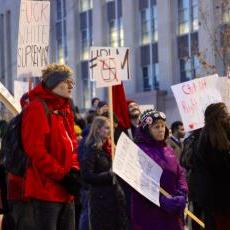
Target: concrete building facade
pixel 164 37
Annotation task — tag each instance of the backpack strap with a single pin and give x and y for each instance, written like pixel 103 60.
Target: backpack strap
pixel 47 110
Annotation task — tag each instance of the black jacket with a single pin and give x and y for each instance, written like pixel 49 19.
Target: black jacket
pixel 106 198
pixel 214 166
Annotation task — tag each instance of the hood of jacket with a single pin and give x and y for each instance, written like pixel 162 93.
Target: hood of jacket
pixel 55 101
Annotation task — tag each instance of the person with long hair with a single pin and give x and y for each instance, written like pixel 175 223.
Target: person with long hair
pixel 106 198
pixel 151 138
pixel 213 160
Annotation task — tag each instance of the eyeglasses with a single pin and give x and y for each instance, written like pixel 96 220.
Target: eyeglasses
pixel 70 82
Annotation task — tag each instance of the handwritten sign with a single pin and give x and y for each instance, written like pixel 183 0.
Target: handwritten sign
pixel 8 100
pixel 137 169
pixel 109 66
pixel 33 37
pixel 193 97
pixel 224 88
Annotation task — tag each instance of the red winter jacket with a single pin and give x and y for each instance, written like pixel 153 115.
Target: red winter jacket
pixel 50 144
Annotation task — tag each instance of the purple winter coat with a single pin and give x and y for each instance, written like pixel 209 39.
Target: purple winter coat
pixel 145 214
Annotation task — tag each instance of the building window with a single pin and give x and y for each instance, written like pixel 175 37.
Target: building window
pixel 86 33
pixel 194 15
pixel 86 42
pixel 86 5
pixel 150 83
pixel 183 8
pixel 116 33
pixel 149 31
pixel 149 45
pixel 188 38
pixel 115 23
pixel 187 16
pixel 61 33
pixel 190 68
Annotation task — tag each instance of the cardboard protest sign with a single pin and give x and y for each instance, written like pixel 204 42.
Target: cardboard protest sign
pixel 33 38
pixel 224 88
pixel 20 88
pixel 193 97
pixel 109 66
pixel 8 100
pixel 137 169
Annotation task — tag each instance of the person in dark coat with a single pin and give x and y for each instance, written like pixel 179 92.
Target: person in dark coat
pixel 78 118
pixel 175 140
pixel 151 138
pixel 187 161
pixel 106 198
pixel 212 164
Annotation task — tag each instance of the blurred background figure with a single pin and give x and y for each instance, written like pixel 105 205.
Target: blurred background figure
pixel 78 119
pixel 176 139
pixel 103 109
pixel 94 104
pixel 134 116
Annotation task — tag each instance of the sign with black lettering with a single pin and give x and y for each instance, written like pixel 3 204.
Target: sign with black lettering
pixel 33 38
pixel 137 169
pixel 109 66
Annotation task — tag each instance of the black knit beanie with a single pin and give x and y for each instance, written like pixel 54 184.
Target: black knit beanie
pixel 54 79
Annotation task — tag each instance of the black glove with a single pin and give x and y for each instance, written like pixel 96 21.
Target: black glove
pixel 72 182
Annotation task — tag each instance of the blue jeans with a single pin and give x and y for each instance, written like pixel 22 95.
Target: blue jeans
pixel 84 217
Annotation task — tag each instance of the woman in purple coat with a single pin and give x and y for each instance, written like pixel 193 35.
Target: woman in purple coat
pixel 151 138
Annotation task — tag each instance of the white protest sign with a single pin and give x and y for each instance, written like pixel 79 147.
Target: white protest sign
pixel 109 66
pixel 20 88
pixel 224 87
pixel 145 107
pixel 193 97
pixel 8 100
pixel 137 169
pixel 33 38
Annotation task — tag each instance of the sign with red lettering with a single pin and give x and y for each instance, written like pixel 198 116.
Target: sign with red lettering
pixel 193 97
pixel 108 66
pixel 33 38
pixel 224 87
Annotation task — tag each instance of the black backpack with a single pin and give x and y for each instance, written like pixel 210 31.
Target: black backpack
pixel 190 148
pixel 12 154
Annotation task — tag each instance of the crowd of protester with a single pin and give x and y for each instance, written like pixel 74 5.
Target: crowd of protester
pixel 69 183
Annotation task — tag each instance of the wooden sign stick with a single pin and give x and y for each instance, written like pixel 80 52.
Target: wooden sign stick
pixel 110 92
pixel 186 211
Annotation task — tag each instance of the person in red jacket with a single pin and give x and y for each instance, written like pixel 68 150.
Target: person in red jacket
pixel 52 176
